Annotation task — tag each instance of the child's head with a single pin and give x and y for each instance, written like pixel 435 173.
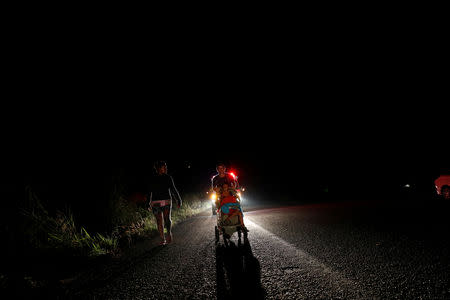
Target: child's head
pixel 224 188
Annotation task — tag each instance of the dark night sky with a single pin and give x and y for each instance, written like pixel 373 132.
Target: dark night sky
pixel 345 120
pixel 274 139
pixel 277 149
pixel 265 150
pixel 351 111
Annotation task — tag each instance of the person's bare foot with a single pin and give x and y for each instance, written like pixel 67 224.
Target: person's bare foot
pixel 169 238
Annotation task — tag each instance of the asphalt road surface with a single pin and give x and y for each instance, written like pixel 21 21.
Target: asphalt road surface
pixel 345 250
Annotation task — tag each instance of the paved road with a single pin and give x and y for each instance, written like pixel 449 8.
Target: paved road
pixel 326 251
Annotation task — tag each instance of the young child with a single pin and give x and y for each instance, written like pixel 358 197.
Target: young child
pixel 228 199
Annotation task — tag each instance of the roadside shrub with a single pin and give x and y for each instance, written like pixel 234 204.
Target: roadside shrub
pixel 49 232
pixel 128 222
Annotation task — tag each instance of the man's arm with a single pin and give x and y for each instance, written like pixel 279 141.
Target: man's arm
pixel 214 183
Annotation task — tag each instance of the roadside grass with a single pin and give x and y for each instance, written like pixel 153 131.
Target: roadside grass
pixel 141 223
pixel 130 222
pixel 191 206
pixel 46 232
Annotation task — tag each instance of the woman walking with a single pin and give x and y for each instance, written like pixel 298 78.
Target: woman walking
pixel 161 191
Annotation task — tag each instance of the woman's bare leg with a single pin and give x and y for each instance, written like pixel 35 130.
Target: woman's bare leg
pixel 159 221
pixel 168 223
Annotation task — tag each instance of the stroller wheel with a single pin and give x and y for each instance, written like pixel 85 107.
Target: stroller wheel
pixel 217 234
pixel 225 235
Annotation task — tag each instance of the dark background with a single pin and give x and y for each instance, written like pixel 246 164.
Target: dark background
pixel 287 135
pixel 307 108
pixel 306 159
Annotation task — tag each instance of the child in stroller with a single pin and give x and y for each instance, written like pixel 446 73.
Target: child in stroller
pixel 229 208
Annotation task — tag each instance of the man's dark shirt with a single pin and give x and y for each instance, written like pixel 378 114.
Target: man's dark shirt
pixel 162 187
pixel 218 181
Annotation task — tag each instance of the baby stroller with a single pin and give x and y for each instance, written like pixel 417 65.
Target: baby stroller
pixel 229 222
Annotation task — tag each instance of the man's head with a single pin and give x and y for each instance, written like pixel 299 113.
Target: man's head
pixel 161 167
pixel 220 167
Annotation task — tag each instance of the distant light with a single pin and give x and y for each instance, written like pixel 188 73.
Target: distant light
pixel 407 185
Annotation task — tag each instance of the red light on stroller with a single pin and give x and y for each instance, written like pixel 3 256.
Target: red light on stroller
pixel 232 174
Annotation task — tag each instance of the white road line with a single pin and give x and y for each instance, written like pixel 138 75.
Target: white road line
pixel 298 264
